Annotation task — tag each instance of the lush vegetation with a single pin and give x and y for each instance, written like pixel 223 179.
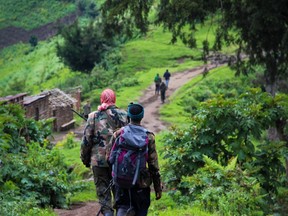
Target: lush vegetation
pixel 216 157
pixel 32 173
pixel 256 29
pixel 223 128
pixel 29 14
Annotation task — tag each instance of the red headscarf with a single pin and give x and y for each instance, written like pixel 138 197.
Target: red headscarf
pixel 108 98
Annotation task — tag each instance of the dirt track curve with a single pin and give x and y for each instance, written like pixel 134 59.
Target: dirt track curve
pixel 151 121
pixel 152 103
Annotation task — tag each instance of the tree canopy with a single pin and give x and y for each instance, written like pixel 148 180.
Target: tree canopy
pixel 258 28
pixel 83 46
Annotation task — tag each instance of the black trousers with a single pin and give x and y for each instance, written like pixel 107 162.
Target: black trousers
pixel 135 200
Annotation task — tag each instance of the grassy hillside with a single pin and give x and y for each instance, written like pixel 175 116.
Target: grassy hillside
pixel 29 14
pixel 24 70
pixel 40 68
pixel 219 81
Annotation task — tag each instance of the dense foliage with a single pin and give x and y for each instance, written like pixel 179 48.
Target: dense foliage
pixel 258 28
pixel 223 128
pixel 227 190
pixel 84 46
pixel 30 14
pixel 32 174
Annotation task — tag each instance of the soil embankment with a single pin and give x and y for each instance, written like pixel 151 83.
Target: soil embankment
pixel 13 35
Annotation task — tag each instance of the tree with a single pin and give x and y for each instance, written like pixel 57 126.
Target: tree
pixel 83 46
pixel 262 33
pixel 122 16
pixel 259 28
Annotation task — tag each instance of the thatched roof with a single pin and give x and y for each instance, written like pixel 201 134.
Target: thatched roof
pixel 58 98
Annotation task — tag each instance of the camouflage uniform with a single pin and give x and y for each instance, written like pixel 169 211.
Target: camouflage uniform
pixel 97 134
pixel 140 195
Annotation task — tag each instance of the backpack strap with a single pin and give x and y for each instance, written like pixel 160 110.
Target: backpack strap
pixel 137 169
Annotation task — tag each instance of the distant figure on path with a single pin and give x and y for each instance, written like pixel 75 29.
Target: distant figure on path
pixel 157 81
pixel 167 76
pixel 86 109
pixel 205 72
pixel 163 89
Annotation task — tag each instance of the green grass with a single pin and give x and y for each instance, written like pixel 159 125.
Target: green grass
pixel 166 206
pixel 29 14
pixel 154 51
pixel 174 107
pixel 86 195
pixel 35 70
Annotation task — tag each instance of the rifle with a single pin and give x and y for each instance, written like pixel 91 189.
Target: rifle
pixel 79 114
pixel 104 203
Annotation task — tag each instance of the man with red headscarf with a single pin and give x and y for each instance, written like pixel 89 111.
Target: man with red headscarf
pixel 99 129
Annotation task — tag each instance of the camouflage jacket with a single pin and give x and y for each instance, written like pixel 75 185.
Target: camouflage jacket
pixel 97 134
pixel 151 174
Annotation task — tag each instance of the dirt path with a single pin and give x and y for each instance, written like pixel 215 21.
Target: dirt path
pixel 152 103
pixel 151 121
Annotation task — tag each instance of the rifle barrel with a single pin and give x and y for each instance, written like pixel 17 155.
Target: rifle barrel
pixel 79 114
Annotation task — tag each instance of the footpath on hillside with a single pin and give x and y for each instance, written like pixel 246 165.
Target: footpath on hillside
pixel 151 121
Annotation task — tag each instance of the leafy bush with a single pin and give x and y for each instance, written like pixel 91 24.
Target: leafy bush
pixel 228 87
pixel 226 190
pixel 226 128
pixel 30 171
pixel 68 142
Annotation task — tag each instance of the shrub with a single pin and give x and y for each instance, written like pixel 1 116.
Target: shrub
pixel 30 171
pixel 69 141
pixel 223 128
pixel 226 190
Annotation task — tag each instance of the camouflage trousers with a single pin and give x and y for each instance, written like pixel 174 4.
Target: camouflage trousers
pixel 102 178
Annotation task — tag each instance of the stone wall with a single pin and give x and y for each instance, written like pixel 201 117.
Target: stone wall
pixel 63 115
pixel 77 95
pixel 39 109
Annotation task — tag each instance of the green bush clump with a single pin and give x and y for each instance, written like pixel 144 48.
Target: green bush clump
pixel 223 128
pixel 32 173
pixel 68 142
pixel 227 190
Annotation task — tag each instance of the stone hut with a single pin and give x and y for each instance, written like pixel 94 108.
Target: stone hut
pixel 37 107
pixel 76 93
pixel 48 104
pixel 60 105
pixel 19 98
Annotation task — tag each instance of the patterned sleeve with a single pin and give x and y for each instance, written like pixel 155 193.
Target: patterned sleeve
pixel 86 145
pixel 153 163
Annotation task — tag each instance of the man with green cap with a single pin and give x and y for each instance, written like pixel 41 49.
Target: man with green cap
pixel 135 200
